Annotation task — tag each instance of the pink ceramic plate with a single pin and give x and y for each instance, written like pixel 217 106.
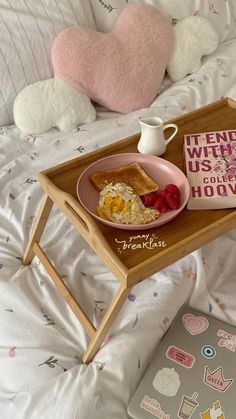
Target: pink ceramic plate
pixel 162 171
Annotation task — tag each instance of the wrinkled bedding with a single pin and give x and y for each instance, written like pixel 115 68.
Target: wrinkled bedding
pixel 41 341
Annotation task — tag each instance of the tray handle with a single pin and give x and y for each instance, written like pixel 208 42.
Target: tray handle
pixel 85 223
pixel 71 207
pixel 87 226
pixel 89 229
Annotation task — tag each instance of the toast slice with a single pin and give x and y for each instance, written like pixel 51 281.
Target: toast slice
pixel 132 174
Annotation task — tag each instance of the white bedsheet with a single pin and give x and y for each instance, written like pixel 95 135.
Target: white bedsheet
pixel 41 340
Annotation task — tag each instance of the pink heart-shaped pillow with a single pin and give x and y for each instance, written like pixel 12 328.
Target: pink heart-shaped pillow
pixel 123 69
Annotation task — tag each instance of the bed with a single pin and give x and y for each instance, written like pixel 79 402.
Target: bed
pixel 42 342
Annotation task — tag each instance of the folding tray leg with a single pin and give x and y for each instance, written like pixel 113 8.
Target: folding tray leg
pixel 106 323
pixel 97 335
pixel 37 231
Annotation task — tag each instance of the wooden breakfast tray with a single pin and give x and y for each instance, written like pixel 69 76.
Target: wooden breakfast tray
pixel 131 264
pixel 187 232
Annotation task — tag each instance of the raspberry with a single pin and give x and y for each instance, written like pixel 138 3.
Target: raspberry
pixel 160 194
pixel 171 188
pixel 161 205
pixel 173 200
pixel 149 199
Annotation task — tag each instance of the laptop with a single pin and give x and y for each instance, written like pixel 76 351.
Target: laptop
pixel 193 373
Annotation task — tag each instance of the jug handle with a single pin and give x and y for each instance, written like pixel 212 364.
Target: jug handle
pixel 168 140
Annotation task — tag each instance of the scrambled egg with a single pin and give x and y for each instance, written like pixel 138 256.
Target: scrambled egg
pixel 120 204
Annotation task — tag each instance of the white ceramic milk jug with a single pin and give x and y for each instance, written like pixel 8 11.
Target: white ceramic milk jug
pixel 152 140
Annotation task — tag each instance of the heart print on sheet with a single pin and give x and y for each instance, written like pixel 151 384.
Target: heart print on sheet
pixel 195 324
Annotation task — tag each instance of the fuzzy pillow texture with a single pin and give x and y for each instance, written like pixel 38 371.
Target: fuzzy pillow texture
pixel 195 37
pixel 51 103
pixel 121 70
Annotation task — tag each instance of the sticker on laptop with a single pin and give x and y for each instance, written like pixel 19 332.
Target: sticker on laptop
pixel 166 382
pixel 180 357
pixel 188 406
pixel 213 413
pixel 208 351
pixel 153 406
pixel 195 324
pixel 227 340
pixel 216 380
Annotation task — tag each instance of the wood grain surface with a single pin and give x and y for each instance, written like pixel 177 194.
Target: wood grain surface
pixel 170 242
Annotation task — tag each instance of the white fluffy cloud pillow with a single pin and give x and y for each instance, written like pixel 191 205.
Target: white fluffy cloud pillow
pixel 195 36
